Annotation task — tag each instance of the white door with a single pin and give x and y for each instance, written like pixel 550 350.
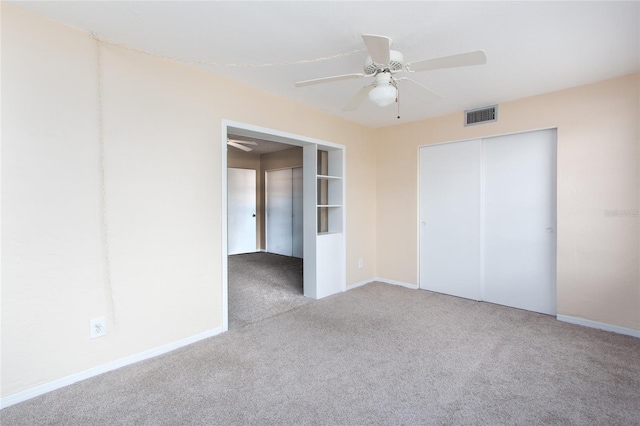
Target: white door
pixel 520 220
pixel 488 219
pixel 241 211
pixel 298 224
pixel 450 218
pixel 279 207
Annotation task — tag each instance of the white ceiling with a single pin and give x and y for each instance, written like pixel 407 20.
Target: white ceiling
pixel 262 147
pixel 531 47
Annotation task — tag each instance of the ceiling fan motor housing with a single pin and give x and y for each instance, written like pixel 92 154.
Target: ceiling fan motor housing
pixel 395 64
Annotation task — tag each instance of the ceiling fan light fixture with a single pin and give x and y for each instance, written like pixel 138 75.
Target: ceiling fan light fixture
pixel 383 63
pixel 384 93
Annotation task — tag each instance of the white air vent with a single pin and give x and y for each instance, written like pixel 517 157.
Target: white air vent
pixel 481 115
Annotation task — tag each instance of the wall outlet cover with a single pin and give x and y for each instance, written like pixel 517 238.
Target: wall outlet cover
pixel 97 327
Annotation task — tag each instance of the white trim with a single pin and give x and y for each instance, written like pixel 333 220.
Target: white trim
pixel 598 325
pixel 394 282
pixel 381 280
pixel 223 222
pixel 491 136
pixel 104 368
pixel 359 284
pixel 252 252
pixel 244 129
pixel 481 197
pixel 419 217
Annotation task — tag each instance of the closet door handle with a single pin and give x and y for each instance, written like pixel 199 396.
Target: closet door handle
pixel 550 230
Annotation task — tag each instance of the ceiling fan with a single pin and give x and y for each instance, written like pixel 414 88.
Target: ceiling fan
pixel 383 64
pixel 241 144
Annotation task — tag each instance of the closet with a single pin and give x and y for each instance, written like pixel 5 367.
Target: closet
pixel 488 219
pixel 284 220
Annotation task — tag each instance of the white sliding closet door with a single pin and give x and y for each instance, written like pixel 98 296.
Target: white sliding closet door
pixel 488 219
pixel 450 218
pixel 284 212
pixel 519 220
pixel 279 200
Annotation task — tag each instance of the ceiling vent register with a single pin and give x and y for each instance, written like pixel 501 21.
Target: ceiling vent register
pixel 481 115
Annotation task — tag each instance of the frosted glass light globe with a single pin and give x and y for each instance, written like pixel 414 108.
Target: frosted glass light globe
pixel 383 95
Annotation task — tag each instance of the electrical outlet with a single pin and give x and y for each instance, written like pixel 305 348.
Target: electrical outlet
pixel 360 263
pixel 97 328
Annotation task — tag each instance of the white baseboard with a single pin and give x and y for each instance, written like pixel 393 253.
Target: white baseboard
pixel 382 280
pixel 394 282
pixel 598 325
pixel 359 284
pixel 113 365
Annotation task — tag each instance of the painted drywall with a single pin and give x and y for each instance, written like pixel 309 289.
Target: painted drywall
pixel 163 176
pixel 284 159
pixel 598 172
pixel 243 160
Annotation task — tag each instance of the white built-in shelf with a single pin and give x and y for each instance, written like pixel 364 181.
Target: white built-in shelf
pixel 329 205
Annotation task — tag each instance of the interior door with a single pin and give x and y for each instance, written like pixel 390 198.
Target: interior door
pixel 450 218
pixel 519 251
pixel 241 211
pixel 279 208
pixel 298 225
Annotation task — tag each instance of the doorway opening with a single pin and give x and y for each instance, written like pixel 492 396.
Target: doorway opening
pixel 273 246
pixel 264 229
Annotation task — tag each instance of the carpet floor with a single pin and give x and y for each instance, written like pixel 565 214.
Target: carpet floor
pixel 262 285
pixel 378 354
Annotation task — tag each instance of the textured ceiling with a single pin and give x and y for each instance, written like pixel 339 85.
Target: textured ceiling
pixel 531 47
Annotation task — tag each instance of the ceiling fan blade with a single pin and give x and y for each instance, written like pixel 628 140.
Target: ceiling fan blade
pixel 462 60
pixel 357 99
pixel 419 91
pixel 379 48
pixel 329 79
pixel 242 142
pixel 237 145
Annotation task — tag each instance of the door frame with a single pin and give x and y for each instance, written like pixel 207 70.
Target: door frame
pixel 272 135
pixel 417 224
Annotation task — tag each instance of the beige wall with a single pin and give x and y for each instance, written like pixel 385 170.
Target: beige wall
pixel 243 160
pixel 598 256
pixel 163 147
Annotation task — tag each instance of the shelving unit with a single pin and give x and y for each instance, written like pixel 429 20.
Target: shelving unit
pixel 329 194
pixel 324 219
